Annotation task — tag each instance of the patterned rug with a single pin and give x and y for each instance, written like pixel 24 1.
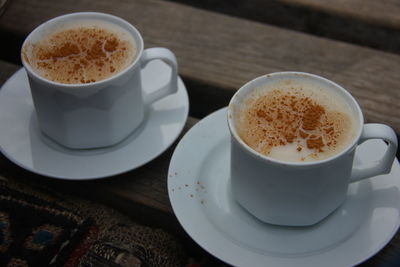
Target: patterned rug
pixel 39 228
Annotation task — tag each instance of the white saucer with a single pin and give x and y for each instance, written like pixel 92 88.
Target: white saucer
pixel 199 191
pixel 22 143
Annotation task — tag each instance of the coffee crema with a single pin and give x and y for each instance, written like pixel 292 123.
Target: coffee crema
pixel 82 53
pixel 296 122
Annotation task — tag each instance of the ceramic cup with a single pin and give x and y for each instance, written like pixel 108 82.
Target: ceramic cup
pixel 300 193
pixel 101 113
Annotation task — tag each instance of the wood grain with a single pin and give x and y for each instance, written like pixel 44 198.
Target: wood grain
pixel 225 52
pixel 383 12
pixel 364 22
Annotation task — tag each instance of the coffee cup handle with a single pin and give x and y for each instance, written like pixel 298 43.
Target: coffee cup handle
pixel 382 166
pixel 168 57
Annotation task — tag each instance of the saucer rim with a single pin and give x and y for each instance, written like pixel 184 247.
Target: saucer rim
pixel 13 159
pixel 228 256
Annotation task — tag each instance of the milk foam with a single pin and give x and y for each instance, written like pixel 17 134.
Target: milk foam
pixel 296 121
pixel 83 51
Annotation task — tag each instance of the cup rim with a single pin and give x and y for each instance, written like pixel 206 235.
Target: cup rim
pixel 248 86
pixel 97 15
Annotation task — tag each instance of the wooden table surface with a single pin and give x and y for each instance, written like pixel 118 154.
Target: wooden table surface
pixel 219 47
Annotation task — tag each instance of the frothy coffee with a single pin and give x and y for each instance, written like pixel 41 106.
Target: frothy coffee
pixel 295 122
pixel 84 52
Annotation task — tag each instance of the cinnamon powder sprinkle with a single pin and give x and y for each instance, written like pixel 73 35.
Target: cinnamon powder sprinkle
pixel 311 116
pixel 316 143
pixel 82 54
pixel 282 117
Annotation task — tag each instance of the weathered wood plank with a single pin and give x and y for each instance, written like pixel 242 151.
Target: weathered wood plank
pixel 384 12
pixel 223 52
pixel 364 22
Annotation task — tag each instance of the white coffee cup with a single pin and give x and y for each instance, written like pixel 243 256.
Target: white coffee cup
pixel 300 193
pixel 101 113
